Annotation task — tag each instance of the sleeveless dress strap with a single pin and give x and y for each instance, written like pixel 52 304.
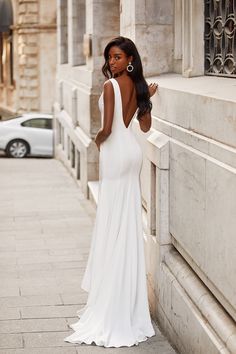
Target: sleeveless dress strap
pixel 118 102
pixel 114 84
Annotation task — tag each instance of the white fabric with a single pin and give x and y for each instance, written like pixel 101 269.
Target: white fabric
pixel 117 310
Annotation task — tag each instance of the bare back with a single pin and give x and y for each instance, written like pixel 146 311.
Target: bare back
pixel 128 98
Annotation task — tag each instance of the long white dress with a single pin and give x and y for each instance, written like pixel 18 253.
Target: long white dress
pixel 117 310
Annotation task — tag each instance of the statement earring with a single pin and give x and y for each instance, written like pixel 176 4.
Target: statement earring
pixel 130 67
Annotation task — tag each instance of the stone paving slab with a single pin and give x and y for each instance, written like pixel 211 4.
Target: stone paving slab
pixel 71 350
pixel 74 298
pixel 45 233
pixel 11 340
pixel 48 311
pixel 35 300
pixel 8 313
pixel 30 325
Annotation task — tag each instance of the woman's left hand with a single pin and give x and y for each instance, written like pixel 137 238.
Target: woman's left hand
pixel 152 88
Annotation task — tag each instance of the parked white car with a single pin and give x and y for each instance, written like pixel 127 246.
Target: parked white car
pixel 28 134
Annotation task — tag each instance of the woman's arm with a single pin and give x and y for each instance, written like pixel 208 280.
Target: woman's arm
pixel 109 102
pixel 145 122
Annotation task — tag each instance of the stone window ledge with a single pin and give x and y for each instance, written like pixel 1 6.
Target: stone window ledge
pixel 216 87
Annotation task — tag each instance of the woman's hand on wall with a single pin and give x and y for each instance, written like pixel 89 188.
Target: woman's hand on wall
pixel 152 88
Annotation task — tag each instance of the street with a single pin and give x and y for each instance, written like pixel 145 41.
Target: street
pixel 45 233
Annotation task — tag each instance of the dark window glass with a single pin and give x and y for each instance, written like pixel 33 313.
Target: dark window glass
pixel 6 66
pixel 11 58
pixel 41 123
pixel 220 37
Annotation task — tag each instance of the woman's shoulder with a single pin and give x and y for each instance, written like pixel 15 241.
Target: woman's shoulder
pixel 108 82
pixel 108 85
pixel 108 89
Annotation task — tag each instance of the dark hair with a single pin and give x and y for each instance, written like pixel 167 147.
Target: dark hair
pixel 142 91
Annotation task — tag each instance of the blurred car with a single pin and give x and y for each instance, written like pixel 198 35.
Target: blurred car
pixel 27 134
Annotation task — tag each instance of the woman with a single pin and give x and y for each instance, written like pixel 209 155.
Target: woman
pixel 117 311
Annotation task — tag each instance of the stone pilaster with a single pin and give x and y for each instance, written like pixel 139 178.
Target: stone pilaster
pixel 150 25
pixel 28 52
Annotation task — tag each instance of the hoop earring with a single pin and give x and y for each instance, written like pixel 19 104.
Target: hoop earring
pixel 130 67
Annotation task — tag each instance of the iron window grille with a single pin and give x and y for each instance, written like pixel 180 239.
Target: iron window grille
pixel 220 37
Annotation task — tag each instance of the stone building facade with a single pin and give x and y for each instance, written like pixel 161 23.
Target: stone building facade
pixel 189 171
pixel 28 60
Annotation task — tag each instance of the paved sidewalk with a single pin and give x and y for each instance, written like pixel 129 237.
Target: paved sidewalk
pixel 45 232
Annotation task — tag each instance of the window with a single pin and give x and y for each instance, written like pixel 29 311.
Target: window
pixel 63 31
pixel 41 123
pixel 6 44
pixel 77 30
pixel 6 58
pixel 220 38
pixel 10 59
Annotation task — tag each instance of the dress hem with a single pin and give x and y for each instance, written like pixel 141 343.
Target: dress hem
pixel 136 343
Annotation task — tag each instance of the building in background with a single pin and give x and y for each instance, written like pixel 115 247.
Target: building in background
pixel 27 55
pixel 189 170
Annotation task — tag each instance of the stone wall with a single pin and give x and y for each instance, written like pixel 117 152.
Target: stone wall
pixel 189 180
pixel 34 34
pixel 190 236
pixel 188 175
